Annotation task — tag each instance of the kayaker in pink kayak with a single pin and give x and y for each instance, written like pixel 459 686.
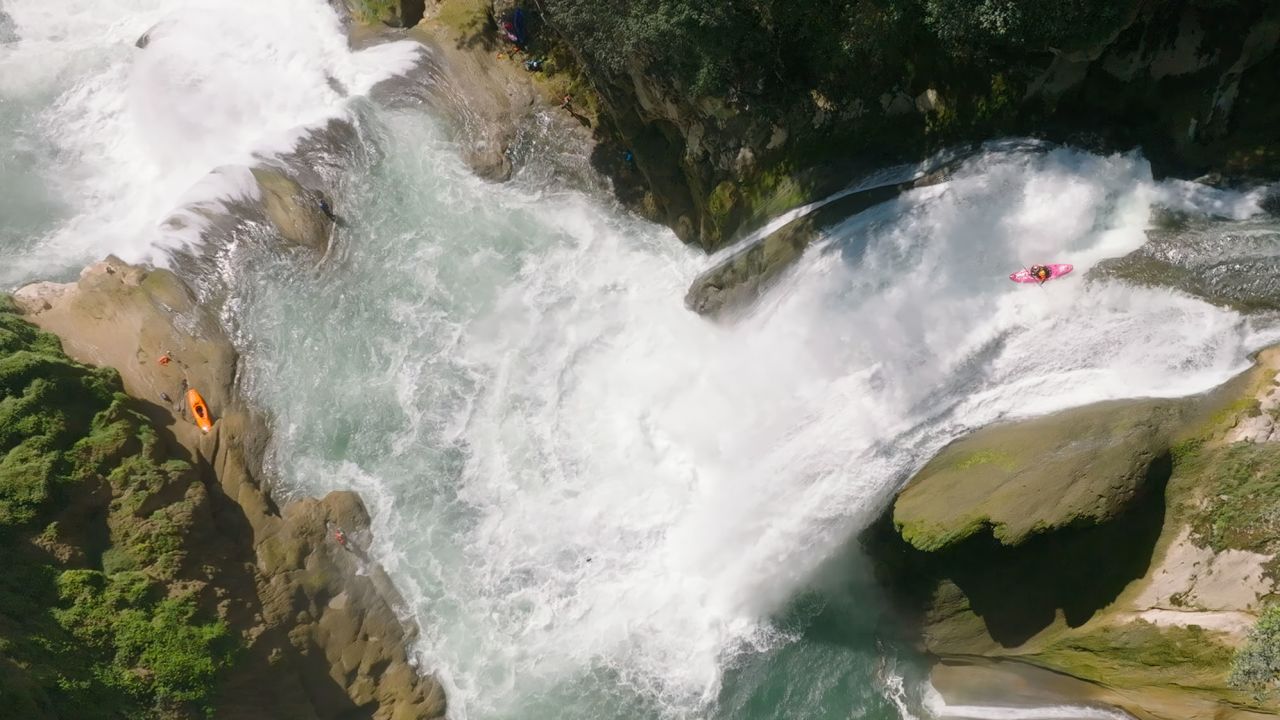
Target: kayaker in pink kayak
pixel 1040 274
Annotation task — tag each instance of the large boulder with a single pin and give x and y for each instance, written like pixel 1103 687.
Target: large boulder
pixel 1127 544
pixel 127 317
pixel 1082 466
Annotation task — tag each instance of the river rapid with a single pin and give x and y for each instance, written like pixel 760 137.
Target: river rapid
pixel 597 504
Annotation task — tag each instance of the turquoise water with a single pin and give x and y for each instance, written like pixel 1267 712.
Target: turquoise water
pixel 28 208
pixel 596 503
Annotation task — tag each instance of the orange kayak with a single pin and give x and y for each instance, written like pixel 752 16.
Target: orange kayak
pixel 199 410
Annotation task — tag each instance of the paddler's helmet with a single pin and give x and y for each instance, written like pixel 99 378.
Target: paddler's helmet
pixel 1042 272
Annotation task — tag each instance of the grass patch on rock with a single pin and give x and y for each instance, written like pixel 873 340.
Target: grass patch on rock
pixel 1140 654
pixel 464 16
pixel 1239 506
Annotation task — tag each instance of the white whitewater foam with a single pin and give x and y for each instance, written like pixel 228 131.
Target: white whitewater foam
pixel 1200 198
pixel 707 470
pixel 635 489
pixel 135 131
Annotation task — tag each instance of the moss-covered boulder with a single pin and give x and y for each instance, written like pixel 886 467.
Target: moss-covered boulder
pixel 1130 545
pixel 1081 466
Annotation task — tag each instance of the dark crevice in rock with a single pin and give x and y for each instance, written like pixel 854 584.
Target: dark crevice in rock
pixel 1078 570
pixel 1017 592
pixel 411 12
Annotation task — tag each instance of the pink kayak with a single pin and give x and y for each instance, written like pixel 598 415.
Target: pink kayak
pixel 1056 270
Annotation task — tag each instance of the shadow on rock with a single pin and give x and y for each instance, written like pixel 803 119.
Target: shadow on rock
pixel 1077 570
pixel 980 593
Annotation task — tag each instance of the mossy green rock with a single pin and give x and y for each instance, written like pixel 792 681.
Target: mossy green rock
pixel 88 627
pixel 176 550
pixel 1083 543
pixel 1081 466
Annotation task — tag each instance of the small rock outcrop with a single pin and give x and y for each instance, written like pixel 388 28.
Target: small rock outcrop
pixel 303 217
pixel 316 617
pixel 733 284
pixel 1232 265
pixel 487 102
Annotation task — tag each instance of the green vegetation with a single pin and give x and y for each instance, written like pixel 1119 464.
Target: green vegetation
pixel 48 408
pixel 1025 24
pixel 763 48
pixel 372 11
pixel 1240 486
pixel 932 537
pixel 1257 665
pixel 88 626
pixel 1139 654
pixel 756 47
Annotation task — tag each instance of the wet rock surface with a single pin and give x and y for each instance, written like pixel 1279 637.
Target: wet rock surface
pixel 1081 466
pixel 303 217
pixel 1235 265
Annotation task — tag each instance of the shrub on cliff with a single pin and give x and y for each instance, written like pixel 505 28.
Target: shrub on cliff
pixel 692 42
pixel 153 647
pixel 1257 665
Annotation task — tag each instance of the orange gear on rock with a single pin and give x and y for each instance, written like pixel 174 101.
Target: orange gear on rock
pixel 199 410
